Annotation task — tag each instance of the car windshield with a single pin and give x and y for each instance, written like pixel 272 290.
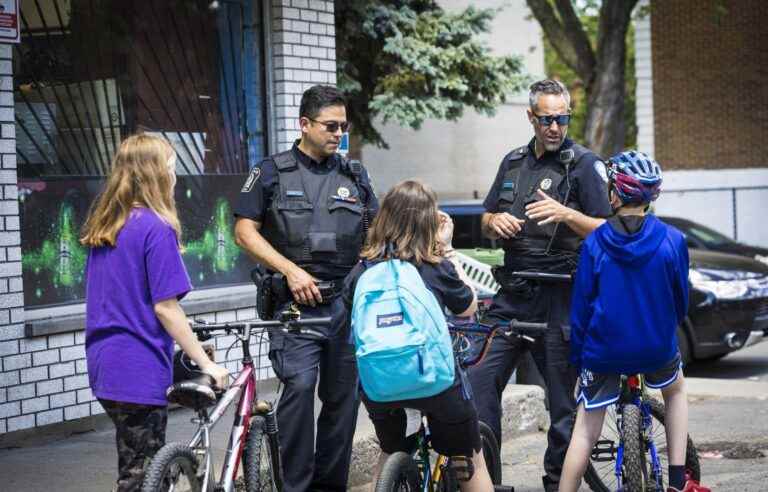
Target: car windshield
pixel 707 235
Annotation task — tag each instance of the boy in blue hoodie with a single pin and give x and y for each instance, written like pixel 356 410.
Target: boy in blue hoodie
pixel 630 294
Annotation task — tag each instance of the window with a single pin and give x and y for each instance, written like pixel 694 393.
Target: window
pixel 90 72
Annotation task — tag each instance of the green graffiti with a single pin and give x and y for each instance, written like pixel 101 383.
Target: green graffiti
pixel 217 244
pixel 62 256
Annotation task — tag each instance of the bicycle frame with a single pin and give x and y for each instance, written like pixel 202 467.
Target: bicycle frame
pixel 246 386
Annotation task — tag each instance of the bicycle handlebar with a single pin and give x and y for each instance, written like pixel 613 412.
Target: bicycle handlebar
pixel 293 326
pixel 520 329
pixel 556 277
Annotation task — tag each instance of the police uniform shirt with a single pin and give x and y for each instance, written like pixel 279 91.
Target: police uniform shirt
pixel 588 181
pixel 262 185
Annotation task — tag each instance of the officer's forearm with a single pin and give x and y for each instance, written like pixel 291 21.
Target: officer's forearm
pixel 485 226
pixel 250 240
pixel 582 224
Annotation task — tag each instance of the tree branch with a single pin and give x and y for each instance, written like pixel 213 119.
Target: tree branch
pixel 578 56
pixel 574 30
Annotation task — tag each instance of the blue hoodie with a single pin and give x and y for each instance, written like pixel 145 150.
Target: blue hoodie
pixel 629 295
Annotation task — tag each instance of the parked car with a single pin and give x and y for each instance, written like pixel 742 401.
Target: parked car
pixel 699 236
pixel 728 306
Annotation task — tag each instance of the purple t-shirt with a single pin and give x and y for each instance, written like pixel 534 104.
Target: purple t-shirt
pixel 129 353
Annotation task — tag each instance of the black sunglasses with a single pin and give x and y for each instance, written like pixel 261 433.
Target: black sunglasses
pixel 332 126
pixel 547 119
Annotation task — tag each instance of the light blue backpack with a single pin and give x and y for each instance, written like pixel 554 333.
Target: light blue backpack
pixel 402 342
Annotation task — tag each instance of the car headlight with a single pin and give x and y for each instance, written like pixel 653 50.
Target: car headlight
pixel 762 259
pixel 729 285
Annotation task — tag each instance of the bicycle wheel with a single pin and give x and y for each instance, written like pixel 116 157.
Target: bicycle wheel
pixel 491 452
pixel 600 473
pixel 174 468
pixel 634 472
pixel 399 474
pixel 261 459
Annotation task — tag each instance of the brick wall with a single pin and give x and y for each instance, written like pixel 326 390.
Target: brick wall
pixel 710 68
pixel 18 378
pixel 45 379
pixel 303 54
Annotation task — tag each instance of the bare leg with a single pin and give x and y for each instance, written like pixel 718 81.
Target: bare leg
pixel 377 470
pixel 676 420
pixel 586 432
pixel 481 480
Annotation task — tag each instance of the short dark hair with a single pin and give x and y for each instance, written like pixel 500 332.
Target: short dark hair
pixel 318 97
pixel 548 86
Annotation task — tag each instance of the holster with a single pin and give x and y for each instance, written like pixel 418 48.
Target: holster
pixel 265 302
pixel 518 287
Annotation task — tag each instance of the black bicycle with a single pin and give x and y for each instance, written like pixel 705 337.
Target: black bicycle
pixel 417 471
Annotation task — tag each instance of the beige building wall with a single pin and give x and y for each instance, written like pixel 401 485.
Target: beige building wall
pixel 460 160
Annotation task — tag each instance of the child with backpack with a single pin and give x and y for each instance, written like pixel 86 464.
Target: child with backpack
pixel 396 296
pixel 134 279
pixel 630 294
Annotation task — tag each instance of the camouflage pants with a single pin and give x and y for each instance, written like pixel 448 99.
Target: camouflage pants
pixel 140 434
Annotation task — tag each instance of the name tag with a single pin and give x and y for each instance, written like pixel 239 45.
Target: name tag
pixel 349 199
pixel 508 185
pixel 387 320
pixel 294 193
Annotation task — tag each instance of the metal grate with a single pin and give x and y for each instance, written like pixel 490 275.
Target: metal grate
pixel 89 72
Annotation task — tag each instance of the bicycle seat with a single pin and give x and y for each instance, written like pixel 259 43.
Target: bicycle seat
pixel 196 393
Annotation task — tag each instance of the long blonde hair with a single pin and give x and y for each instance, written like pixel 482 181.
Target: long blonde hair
pixel 139 176
pixel 408 222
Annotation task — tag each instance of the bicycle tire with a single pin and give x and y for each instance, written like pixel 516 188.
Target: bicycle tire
pixel 605 482
pixel 171 462
pixel 257 477
pixel 399 474
pixel 634 472
pixel 491 452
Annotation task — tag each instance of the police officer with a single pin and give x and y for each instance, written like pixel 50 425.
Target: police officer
pixel 547 196
pixel 303 213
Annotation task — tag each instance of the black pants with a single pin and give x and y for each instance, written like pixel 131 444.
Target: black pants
pixel 140 433
pixel 322 463
pixel 550 353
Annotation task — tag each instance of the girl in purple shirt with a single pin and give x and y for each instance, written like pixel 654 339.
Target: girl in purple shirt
pixel 134 279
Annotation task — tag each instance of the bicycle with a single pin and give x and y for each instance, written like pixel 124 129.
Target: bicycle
pixel 630 455
pixel 416 471
pixel 189 467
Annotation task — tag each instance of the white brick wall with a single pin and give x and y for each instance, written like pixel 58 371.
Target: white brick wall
pixel 19 379
pixel 303 54
pixel 44 380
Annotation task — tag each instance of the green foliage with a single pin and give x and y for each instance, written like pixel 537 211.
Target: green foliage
pixel 556 68
pixel 409 60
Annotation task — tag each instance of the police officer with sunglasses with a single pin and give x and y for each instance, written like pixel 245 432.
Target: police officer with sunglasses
pixel 303 214
pixel 547 196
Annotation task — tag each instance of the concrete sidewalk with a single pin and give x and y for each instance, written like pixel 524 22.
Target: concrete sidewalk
pixel 87 460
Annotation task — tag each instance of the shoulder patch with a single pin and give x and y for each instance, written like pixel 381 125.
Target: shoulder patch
pixel 600 170
pixel 518 153
pixel 253 176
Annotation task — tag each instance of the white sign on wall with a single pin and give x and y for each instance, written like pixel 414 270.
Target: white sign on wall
pixel 9 21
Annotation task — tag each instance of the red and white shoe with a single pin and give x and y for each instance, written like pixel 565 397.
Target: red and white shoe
pixel 691 485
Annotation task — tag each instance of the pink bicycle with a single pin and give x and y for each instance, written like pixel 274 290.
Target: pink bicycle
pixel 253 440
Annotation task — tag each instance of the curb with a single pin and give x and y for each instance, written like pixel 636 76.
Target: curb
pixel 523 412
